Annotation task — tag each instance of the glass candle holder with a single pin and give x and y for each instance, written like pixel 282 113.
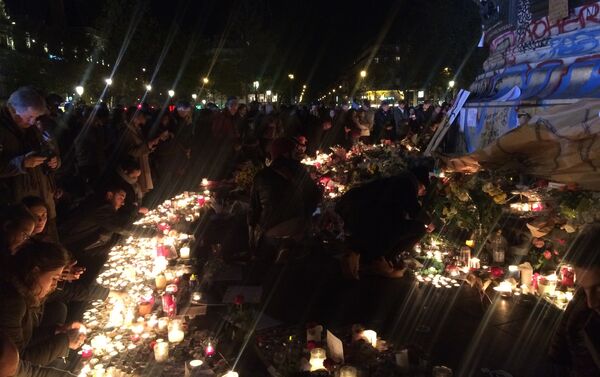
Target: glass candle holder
pixel 317 357
pixel 161 351
pixel 176 333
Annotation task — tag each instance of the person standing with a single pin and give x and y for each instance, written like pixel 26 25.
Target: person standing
pixel 401 118
pixel 383 129
pixel 27 161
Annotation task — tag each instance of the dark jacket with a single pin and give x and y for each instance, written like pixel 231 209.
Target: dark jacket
pixel 18 321
pixel 225 125
pixel 577 340
pixel 92 227
pixel 27 369
pixel 383 120
pixel 401 118
pixel 17 182
pixel 282 192
pixel 90 148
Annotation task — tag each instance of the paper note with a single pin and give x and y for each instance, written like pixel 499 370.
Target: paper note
pixel 335 347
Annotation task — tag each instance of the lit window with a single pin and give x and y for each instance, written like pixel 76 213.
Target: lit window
pixel 10 43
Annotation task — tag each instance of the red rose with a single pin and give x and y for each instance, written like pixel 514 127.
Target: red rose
pixel 547 254
pixel 329 364
pixel 497 272
pixel 239 300
pixel 562 242
pixel 311 344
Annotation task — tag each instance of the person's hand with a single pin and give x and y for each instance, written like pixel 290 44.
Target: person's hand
pixel 72 272
pixel 52 163
pixel 350 265
pixel 31 161
pixel 152 143
pixel 76 338
pixel 143 210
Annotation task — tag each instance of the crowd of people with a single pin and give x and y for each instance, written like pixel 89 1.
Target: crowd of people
pixel 73 181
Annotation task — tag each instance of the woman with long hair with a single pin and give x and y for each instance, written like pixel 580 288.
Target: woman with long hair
pixel 29 277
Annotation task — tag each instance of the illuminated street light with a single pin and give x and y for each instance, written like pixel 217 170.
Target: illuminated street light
pixel 291 76
pixel 205 80
pixel 451 84
pixel 303 86
pixel 340 87
pixel 255 84
pixel 148 87
pixel 194 96
pixel 108 81
pixel 79 90
pixel 363 73
pixel 171 93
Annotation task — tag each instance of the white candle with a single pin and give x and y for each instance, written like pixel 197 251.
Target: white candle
pixel 176 333
pixel 317 357
pixel 161 351
pixel 370 336
pixel 184 252
pixel 475 263
pixel 163 322
pixel 348 371
pixel 231 374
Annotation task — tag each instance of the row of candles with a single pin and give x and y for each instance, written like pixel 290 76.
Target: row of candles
pixel 140 267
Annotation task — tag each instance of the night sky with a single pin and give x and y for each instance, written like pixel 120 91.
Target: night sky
pixel 318 39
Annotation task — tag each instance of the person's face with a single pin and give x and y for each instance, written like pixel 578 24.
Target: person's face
pixel 402 106
pixel 243 111
pixel 134 174
pixel 9 363
pixel 385 107
pixel 588 279
pixel 184 112
pixel 233 107
pixel 20 235
pixel 117 199
pixel 326 125
pixel 27 118
pixel 139 120
pixel 47 282
pixel 422 191
pixel 426 106
pixel 41 217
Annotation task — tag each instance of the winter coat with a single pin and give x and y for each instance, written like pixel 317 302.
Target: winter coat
pixel 18 319
pixel 383 120
pixel 282 192
pixel 401 118
pixel 17 182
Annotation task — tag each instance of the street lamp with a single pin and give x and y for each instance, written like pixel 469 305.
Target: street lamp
pixel 194 96
pixel 79 90
pixel 303 86
pixel 291 76
pixel 108 81
pixel 451 84
pixel 205 80
pixel 363 73
pixel 148 87
pixel 171 93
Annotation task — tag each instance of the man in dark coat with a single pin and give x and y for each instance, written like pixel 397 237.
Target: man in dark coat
pixel 283 199
pixel 384 127
pixel 91 231
pixel 26 160
pixel 401 118
pixel 383 218
pixel 576 345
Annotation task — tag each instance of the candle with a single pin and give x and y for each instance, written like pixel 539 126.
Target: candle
pixel 317 357
pixel 163 322
pixel 210 350
pixel 197 296
pixel 465 255
pixel 161 351
pixel 526 274
pixel 348 371
pixel 176 333
pixel 231 374
pixel 505 288
pixel 184 252
pixel 204 182
pixel 513 272
pixel 475 263
pixel 370 336
pixel 161 282
pixel 196 363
